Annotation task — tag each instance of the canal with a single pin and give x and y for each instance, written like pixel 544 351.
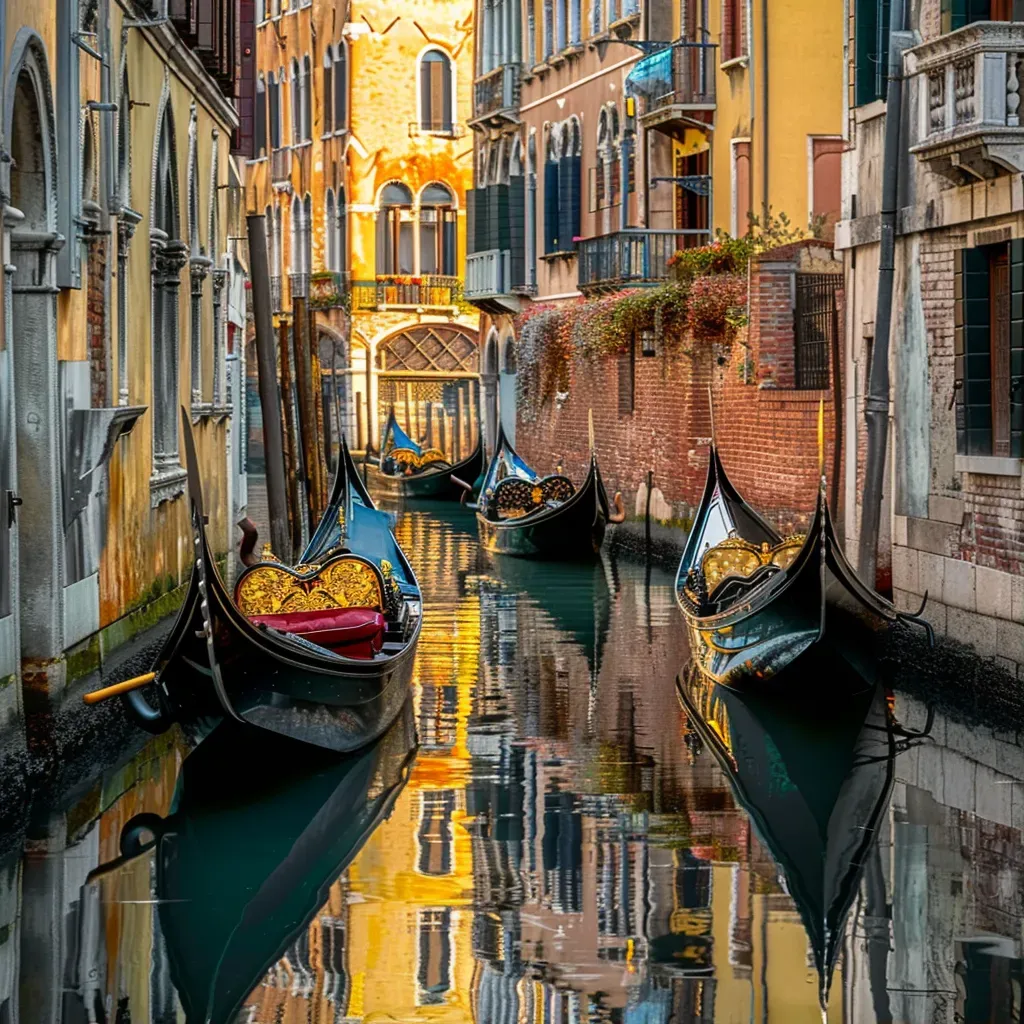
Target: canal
pixel 547 834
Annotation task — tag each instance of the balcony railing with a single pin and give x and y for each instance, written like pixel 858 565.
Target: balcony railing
pixel 680 77
pixel 298 285
pixel 281 164
pixel 275 293
pixel 401 291
pixel 488 274
pixel 636 256
pixel 497 93
pixel 970 115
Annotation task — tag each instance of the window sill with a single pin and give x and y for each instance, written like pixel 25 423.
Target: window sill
pixel 742 61
pixel 257 160
pixel 556 59
pixel 988 465
pixel 338 133
pixel 540 69
pixel 572 50
pixel 869 111
pixel 302 145
pixel 562 254
pixel 598 37
pixel 166 484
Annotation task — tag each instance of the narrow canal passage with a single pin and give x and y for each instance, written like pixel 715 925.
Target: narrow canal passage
pixel 568 842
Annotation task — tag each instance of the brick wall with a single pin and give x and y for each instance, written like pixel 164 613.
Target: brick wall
pixel 767 435
pixel 95 317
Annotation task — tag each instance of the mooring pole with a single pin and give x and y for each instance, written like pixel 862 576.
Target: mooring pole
pixel 270 403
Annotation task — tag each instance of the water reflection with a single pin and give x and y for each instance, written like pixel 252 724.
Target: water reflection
pixel 571 844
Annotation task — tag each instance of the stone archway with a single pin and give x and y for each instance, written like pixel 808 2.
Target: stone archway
pixel 429 373
pixel 489 383
pixel 507 387
pixel 36 543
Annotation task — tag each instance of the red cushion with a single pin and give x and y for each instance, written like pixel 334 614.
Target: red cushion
pixel 354 632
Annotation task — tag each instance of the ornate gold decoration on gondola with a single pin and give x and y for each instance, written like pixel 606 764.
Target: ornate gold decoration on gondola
pixel 406 457
pixel 392 591
pixel 738 558
pixel 345 581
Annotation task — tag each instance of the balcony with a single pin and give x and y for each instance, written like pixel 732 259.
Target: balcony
pixel 280 165
pixel 496 97
pixel 427 292
pixel 634 257
pixel 970 117
pixel 678 87
pixel 489 282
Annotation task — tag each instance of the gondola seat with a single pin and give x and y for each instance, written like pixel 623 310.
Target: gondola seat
pixel 352 632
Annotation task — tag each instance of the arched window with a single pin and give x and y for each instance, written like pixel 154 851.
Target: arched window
pixel 274 107
pixel 307 234
pixel 436 99
pixel 125 229
pixel 340 87
pixel 394 230
pixel 517 219
pixel 328 90
pixel 330 258
pixel 551 240
pixel 219 276
pixel 296 103
pixel 124 144
pixel 340 238
pixel 260 117
pixel 169 255
pixel 198 269
pixel 305 78
pixel 296 244
pixel 438 235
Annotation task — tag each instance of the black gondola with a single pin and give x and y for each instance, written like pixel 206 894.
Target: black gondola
pixel 407 470
pixel 521 513
pixel 755 601
pixel 334 677
pixel 816 787
pixel 260 828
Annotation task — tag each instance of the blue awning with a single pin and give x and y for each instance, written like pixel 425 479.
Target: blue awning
pixel 651 76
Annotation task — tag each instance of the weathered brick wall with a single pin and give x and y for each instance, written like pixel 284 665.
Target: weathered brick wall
pixel 95 320
pixel 767 436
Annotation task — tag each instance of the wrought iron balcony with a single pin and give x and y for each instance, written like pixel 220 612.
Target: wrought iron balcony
pixel 636 256
pixel 403 291
pixel 970 117
pixel 677 85
pixel 280 164
pixel 496 96
pixel 275 293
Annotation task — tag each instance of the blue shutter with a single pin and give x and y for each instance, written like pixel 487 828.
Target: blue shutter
pixel 517 229
pixel 551 225
pixel 568 202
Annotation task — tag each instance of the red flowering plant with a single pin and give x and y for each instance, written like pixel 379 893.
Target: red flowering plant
pixel 712 304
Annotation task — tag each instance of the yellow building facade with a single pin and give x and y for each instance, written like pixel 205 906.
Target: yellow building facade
pixel 362 168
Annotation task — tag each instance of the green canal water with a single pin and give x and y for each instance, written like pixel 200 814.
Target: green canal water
pixel 563 826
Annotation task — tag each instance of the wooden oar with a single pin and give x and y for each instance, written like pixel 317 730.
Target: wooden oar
pixel 118 688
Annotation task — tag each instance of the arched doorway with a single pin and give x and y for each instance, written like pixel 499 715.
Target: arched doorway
pixel 489 382
pixel 32 569
pixel 429 374
pixel 507 388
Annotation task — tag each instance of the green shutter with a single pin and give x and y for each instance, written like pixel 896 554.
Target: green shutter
pixel 871 41
pixel 1017 348
pixel 976 391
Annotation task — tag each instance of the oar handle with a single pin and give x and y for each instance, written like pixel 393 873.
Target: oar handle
pixel 461 483
pixel 118 688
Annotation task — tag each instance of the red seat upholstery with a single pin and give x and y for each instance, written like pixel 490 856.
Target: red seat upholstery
pixel 353 632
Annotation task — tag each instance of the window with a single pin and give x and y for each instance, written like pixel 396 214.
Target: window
pixel 517 215
pixel 274 105
pixel 569 185
pixel 199 265
pixel 627 380
pixel 551 193
pixel 261 118
pixel 871 29
pixel 574 22
pixel 814 328
pixel 219 276
pixel 394 230
pixel 596 19
pixel 329 254
pixel 437 231
pixel 434 959
pixel 435 92
pixel 734 43
pixel 434 836
pixel 296 104
pixel 957 13
pixel 989 350
pixel 740 224
pixel 613 12
pixel 305 77
pixel 328 92
pixel 561 25
pixel 340 76
pixel 295 243
pixel 307 234
pixel 338 227
pixel 692 197
pixel 826 185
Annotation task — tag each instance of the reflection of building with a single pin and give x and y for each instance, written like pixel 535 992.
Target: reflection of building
pixel 361 171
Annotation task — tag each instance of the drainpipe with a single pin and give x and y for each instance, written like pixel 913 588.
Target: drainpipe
pixel 876 407
pixel 107 198
pixel 744 228
pixel 764 111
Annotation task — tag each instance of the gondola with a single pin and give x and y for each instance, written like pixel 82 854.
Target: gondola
pixel 407 470
pixel 521 513
pixel 260 828
pixel 816 786
pixel 322 652
pixel 754 600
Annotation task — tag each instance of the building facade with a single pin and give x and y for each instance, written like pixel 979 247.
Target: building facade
pixel 361 169
pixel 954 505
pixel 121 300
pixel 609 135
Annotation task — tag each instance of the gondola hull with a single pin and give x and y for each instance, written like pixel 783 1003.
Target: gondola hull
pixel 217 664
pixel 434 485
pixel 572 531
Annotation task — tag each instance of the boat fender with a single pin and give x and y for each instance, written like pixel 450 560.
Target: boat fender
pixel 619 515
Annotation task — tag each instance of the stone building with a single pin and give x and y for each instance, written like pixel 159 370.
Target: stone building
pixel 361 169
pixel 954 505
pixel 609 135
pixel 121 288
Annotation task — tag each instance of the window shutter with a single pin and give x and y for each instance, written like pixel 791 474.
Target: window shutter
pixel 470 221
pixel 328 96
pixel 959 352
pixel 568 201
pixel 517 229
pixel 871 28
pixel 976 391
pixel 260 126
pixel 449 242
pixel 340 90
pixel 426 93
pixel 551 182
pixel 1017 348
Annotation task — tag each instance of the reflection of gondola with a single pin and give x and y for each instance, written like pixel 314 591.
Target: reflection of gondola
pixel 260 828
pixel 407 470
pixel 322 652
pixel 575 596
pixel 755 601
pixel 521 513
pixel 815 784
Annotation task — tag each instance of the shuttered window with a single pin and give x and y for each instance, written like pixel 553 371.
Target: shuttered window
pixel 551 224
pixel 328 93
pixel 989 350
pixel 569 188
pixel 435 92
pixel 260 126
pixel 517 229
pixel 872 50
pixel 957 13
pixel 340 87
